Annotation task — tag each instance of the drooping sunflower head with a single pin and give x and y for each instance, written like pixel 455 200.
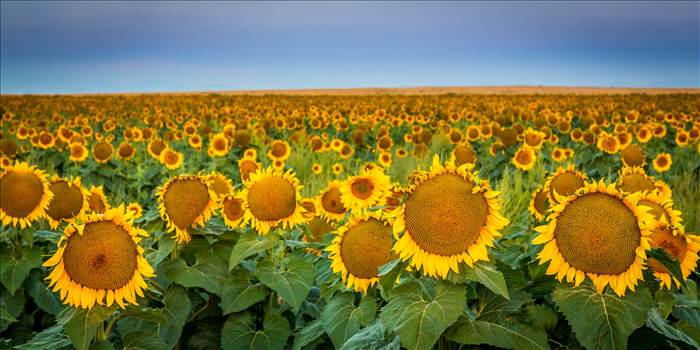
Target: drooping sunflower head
pixel 633 156
pixel 612 254
pixel 99 261
pixel 368 189
pixel 449 217
pixel 361 246
pixel 247 166
pixel 329 203
pixel 185 202
pixel 464 154
pixel 232 209
pixel 220 184
pixel 679 246
pixel 564 182
pixel 70 199
pixel 24 195
pixel 97 201
pixel 524 158
pixel 538 204
pixel 270 199
pixel 155 147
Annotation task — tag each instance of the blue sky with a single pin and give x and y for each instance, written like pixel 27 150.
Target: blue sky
pixel 58 47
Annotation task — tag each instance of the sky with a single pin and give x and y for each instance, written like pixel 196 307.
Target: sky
pixel 81 47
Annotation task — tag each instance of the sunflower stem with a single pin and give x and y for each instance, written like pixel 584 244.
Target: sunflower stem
pixel 173 255
pixel 111 323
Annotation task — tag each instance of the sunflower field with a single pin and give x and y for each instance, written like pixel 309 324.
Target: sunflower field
pixel 456 221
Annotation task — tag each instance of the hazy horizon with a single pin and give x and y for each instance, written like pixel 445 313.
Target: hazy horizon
pixel 123 47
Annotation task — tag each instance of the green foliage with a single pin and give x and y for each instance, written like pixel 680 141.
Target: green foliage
pixel 239 333
pixel 292 282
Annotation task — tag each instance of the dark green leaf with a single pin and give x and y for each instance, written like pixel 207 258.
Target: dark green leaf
pixel 657 323
pixel 49 339
pixel 484 273
pixel 143 341
pixel 292 283
pixel 370 337
pixel 248 244
pixel 239 294
pixel 239 333
pixel 13 270
pixel 80 324
pixel 420 319
pixel 603 321
pixel 500 333
pixel 42 296
pixel 308 334
pixel 672 265
pixel 208 272
pixel 342 319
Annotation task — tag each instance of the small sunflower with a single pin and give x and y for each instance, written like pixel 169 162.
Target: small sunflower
pixel 337 169
pixel 220 184
pixel 135 209
pixel 70 200
pixel 558 154
pixel 384 159
pixel 330 204
pixel 279 150
pixel 125 151
pixel 232 210
pixel 24 195
pixel 360 247
pixel 524 158
pixel 316 168
pixel 368 189
pixel 662 162
pixel 613 254
pixel 185 202
pixel 247 166
pixel 99 261
pixel 317 228
pixel 97 201
pixel 633 155
pixel 102 151
pixel 171 158
pixel 449 217
pixel 608 143
pixel 156 147
pixel 538 204
pixel 219 145
pixel 78 152
pixel 270 199
pixel 564 182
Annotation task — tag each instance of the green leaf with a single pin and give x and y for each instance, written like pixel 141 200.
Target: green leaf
pixel 6 319
pixel 544 315
pixel 80 324
pixel 239 333
pixel 500 333
pixel 13 270
pixel 389 273
pixel 602 321
pixel 672 265
pixel 11 307
pixel 208 272
pixel 690 315
pixel 657 323
pixel 370 337
pixel 238 293
pixel 690 330
pixel 145 313
pixel 143 341
pixel 420 319
pixel 342 319
pixel 484 273
pixel 293 283
pixel 248 244
pixel 42 296
pixel 49 339
pixel 308 334
pixel 165 246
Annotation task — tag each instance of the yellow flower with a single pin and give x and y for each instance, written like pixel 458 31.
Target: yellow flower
pixel 171 158
pixel 70 199
pixel 25 195
pixel 662 162
pixel 185 202
pixel 270 199
pixel 78 152
pixel 448 218
pixel 524 158
pixel 329 202
pixel 232 210
pixel 99 261
pixel 564 182
pixel 97 201
pixel 368 189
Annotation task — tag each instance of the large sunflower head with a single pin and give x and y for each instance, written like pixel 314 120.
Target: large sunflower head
pixel 368 189
pixel 612 254
pixel 99 261
pixel 24 195
pixel 329 203
pixel 361 246
pixel 449 217
pixel 232 209
pixel 97 201
pixel 70 199
pixel 185 202
pixel 634 179
pixel 563 182
pixel 271 198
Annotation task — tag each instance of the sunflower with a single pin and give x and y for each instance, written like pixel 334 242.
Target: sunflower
pixel 449 217
pixel 662 162
pixel 171 158
pixel 634 179
pixel 232 210
pixel 608 143
pixel 331 207
pixel 384 159
pixel 125 151
pixel 155 147
pixel 318 227
pixel 135 209
pixel 661 208
pixel 279 150
pixel 633 155
pixel 70 200
pixel 337 169
pixel 538 204
pixel 613 254
pixel 270 199
pixel 558 154
pixel 219 145
pixel 368 189
pixel 220 184
pixel 247 166
pixel 102 151
pixel 524 158
pixel 99 261
pixel 360 247
pixel 316 168
pixel 185 202
pixel 679 246
pixel 563 182
pixel 250 153
pixel 195 141
pixel 24 195
pixel 97 201
pixel 463 154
